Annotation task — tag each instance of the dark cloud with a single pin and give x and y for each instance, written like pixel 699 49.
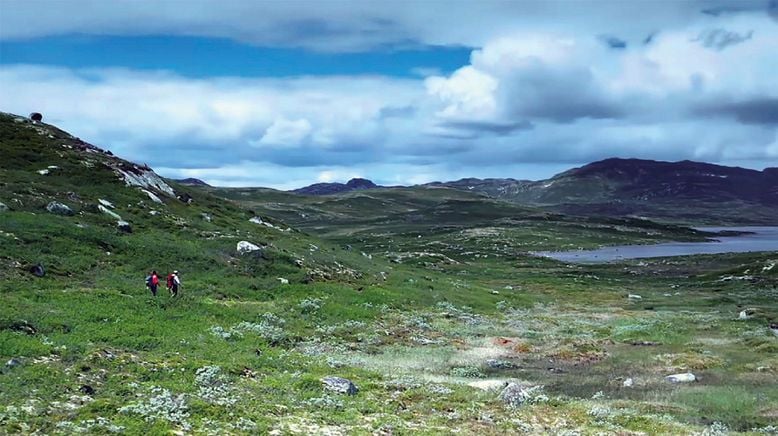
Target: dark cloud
pixel 613 42
pixel 479 128
pixel 757 111
pixel 719 39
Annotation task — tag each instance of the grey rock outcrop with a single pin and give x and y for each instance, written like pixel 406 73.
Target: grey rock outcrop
pixel 59 209
pixel 340 385
pixel 4 208
pixel 124 226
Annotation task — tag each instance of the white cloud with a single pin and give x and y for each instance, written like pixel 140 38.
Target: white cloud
pixel 286 133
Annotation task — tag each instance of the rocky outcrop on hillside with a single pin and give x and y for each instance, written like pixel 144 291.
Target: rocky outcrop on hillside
pixel 336 188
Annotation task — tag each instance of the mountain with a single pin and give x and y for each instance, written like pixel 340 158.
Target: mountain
pixel 687 191
pixel 192 182
pixel 335 188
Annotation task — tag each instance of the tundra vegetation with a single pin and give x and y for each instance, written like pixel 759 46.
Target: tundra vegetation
pixel 389 311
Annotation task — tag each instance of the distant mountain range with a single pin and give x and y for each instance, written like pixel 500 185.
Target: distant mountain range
pixel 191 182
pixel 686 190
pixel 336 188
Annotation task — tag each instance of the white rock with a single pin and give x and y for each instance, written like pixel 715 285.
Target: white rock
pixel 152 196
pixel 628 383
pixel 153 212
pixel 489 384
pixel 686 377
pixel 634 297
pixel 746 314
pixel 105 203
pixel 283 281
pixel 124 226
pixel 43 172
pixel 247 247
pixel 59 209
pixel 108 212
pixel 147 179
pixel 256 220
pixel 4 208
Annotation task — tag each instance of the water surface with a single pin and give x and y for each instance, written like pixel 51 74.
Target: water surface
pixel 760 239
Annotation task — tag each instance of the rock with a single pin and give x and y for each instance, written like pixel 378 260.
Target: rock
pixel 247 247
pixel 87 390
pixel 152 196
pixel 59 209
pixel 108 212
pixel 488 385
pixel 746 314
pixel 206 217
pixel 634 297
pixel 256 220
pixel 500 364
pixel 686 377
pixel 185 198
pixel 774 328
pixel 124 226
pixel 340 385
pixel 36 116
pixel 43 172
pixel 283 281
pixel 145 178
pixel 13 362
pixel 38 270
pixel 4 208
pixel 514 394
pixel 105 203
pixel 153 212
pixel 298 263
pixel 628 383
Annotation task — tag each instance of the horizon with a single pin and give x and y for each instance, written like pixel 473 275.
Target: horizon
pixel 285 95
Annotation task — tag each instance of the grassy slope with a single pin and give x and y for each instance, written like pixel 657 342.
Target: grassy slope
pixel 411 331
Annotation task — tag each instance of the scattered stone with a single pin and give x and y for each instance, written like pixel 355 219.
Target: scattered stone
pixel 109 212
pixel 105 203
pixel 644 343
pixel 38 270
pixel 634 297
pixel 43 172
pixel 283 281
pixel 124 226
pixel 298 263
pixel 153 212
pixel 4 208
pixel 340 385
pixel 686 377
pixel 774 328
pixel 185 198
pixel 256 220
pixel 247 247
pixel 514 394
pixel 59 209
pixel 628 383
pixel 13 362
pixel 746 314
pixel 500 364
pixel 87 390
pixel 495 292
pixel 206 217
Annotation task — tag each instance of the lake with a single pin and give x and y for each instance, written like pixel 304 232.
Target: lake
pixel 761 239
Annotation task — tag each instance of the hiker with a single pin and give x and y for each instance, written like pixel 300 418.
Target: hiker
pixel 152 281
pixel 173 283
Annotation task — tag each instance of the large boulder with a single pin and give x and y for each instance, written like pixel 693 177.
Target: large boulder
pixel 247 247
pixel 124 226
pixel 109 212
pixel 59 209
pixel 340 385
pixel 686 377
pixel 516 395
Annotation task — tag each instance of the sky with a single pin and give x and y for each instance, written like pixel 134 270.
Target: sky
pixel 285 94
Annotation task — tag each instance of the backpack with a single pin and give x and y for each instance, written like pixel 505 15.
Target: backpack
pixel 148 281
pixel 170 280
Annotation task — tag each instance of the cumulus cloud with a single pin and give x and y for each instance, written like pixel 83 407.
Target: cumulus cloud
pixel 528 103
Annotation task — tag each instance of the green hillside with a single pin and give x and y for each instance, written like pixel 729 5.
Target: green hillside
pixel 427 299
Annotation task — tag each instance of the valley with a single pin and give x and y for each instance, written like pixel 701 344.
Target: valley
pixel 428 299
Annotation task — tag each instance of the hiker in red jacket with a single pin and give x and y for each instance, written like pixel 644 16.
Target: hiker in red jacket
pixel 152 282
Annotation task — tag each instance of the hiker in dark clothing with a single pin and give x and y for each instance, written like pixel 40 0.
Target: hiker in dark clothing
pixel 152 282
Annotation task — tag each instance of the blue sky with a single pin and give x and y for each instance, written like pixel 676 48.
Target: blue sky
pixel 283 94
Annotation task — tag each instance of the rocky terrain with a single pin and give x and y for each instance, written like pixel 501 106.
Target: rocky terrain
pixel 383 311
